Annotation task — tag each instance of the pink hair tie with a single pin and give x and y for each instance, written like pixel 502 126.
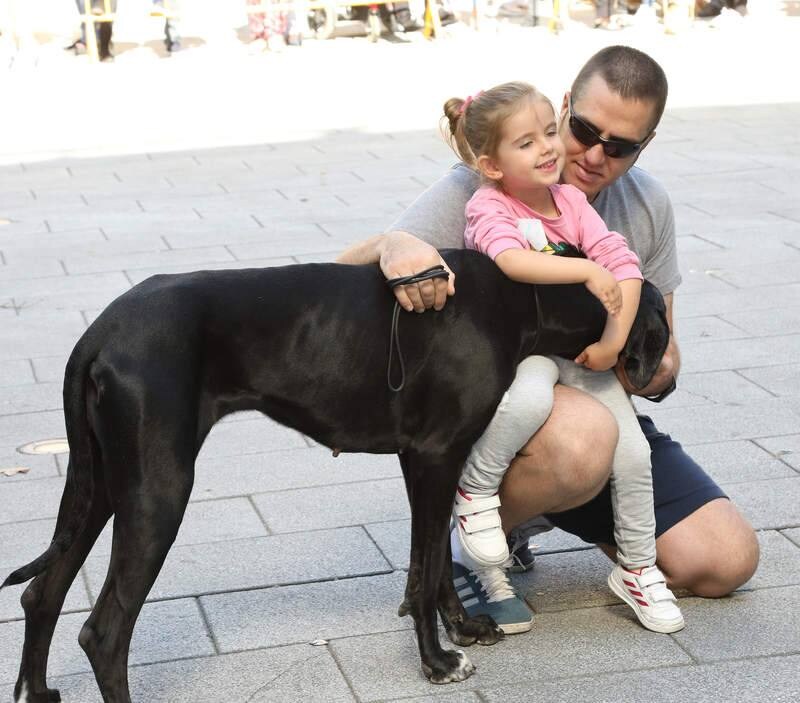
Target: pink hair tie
pixel 468 100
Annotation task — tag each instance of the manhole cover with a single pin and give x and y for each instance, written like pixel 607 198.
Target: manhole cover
pixel 58 445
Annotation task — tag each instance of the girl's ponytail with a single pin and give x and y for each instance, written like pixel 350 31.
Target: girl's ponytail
pixel 453 129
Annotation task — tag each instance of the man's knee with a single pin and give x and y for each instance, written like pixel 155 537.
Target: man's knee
pixel 712 552
pixel 576 444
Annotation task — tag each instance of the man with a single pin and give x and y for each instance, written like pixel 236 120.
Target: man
pixel 703 544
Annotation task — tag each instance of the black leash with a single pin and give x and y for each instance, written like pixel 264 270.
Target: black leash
pixel 394 334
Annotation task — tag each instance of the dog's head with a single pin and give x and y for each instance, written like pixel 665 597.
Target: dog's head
pixel 648 338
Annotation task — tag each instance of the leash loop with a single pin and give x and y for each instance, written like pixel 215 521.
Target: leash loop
pixel 394 334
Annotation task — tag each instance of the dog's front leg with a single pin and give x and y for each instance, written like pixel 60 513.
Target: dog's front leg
pixel 461 628
pixel 431 484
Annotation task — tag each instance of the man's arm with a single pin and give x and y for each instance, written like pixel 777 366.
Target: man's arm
pixel 402 254
pixel 670 363
pixel 436 219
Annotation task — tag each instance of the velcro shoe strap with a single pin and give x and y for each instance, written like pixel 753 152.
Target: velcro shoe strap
pixel 482 521
pixel 476 505
pixel 650 579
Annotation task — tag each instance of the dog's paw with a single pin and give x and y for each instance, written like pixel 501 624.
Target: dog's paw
pixel 481 629
pixel 453 666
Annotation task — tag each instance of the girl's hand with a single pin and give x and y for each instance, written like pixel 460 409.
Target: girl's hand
pixel 598 357
pixel 602 284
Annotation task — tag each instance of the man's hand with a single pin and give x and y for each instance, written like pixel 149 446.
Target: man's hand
pixel 402 254
pixel 667 370
pixel 597 357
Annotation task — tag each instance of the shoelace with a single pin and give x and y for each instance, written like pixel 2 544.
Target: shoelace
pixel 494 583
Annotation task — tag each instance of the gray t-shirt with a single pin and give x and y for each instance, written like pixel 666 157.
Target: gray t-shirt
pixel 635 205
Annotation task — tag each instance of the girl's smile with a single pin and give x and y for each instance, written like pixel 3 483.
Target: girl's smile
pixel 529 157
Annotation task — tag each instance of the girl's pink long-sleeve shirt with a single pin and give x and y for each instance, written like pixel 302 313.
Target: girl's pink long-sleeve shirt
pixel 492 228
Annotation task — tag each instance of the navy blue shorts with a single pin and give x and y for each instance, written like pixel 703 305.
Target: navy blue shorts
pixel 680 487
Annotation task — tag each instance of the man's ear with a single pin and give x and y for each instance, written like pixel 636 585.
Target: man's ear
pixel 565 104
pixel 647 140
pixel 488 167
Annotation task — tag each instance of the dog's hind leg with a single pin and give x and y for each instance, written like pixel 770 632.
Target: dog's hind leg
pixel 43 598
pixel 431 484
pixel 145 527
pixel 148 436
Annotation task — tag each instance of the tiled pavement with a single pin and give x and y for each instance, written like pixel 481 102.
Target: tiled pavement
pixel 279 547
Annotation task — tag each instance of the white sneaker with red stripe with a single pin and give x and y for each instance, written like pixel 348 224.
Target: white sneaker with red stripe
pixel 479 528
pixel 645 590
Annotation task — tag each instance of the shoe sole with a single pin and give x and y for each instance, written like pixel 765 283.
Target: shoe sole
pixel 663 628
pixel 517 628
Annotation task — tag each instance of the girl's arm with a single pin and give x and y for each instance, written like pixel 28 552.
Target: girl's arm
pixel 528 266
pixel 602 355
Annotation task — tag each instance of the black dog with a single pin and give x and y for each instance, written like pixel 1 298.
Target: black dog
pixel 307 345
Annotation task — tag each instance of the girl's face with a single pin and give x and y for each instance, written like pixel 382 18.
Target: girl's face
pixel 530 154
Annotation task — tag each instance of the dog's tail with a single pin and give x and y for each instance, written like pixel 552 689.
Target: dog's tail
pixel 76 501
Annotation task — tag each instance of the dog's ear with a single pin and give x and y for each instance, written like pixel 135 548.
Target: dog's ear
pixel 648 338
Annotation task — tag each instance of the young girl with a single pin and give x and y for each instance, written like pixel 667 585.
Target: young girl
pixel 521 217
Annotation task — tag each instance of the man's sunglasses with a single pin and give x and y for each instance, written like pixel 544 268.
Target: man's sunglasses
pixel 588 136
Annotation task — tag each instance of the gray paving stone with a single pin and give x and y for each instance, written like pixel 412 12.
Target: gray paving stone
pixel 737 462
pixel 782 320
pixel 738 354
pixel 567 581
pixel 23 542
pixel 387 666
pixel 132 261
pixel 18 267
pixel 38 466
pixel 712 387
pixel 204 522
pixel 769 504
pixel 786 448
pixel 730 301
pixel 772 680
pixel 140 275
pixel 793 535
pixel 295 614
pixel 779 564
pixel 161 630
pixel 31 498
pixel 64 293
pixel 31 336
pixel 250 437
pixel 295 674
pixel 50 369
pixel 31 398
pixel 16 430
pixel 779 380
pixel 460 697
pixel 14 372
pixel 333 506
pixel 715 423
pixel 286 247
pixel 228 236
pixel 746 624
pixel 285 470
pixel 85 242
pixel 258 563
pixel 393 538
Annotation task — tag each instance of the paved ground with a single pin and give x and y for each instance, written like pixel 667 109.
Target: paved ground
pixel 279 546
